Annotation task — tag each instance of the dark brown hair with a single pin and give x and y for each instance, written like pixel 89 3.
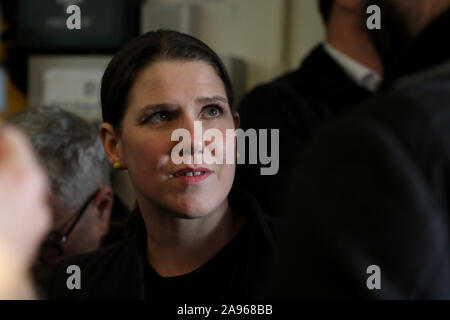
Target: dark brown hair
pixel 140 52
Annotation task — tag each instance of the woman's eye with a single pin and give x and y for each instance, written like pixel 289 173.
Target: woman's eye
pixel 212 111
pixel 159 116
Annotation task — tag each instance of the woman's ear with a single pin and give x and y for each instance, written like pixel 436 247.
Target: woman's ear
pixel 111 143
pixel 237 119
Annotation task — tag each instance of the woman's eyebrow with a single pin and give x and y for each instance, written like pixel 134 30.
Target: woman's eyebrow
pixel 206 100
pixel 157 106
pixel 169 106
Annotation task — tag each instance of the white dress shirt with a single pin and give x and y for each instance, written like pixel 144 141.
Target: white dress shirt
pixel 362 75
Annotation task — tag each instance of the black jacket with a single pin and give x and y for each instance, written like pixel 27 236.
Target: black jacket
pixel 117 271
pixel 298 103
pixel 374 189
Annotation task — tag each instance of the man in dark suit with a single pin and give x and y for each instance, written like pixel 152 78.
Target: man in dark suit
pixel 335 77
pixel 367 212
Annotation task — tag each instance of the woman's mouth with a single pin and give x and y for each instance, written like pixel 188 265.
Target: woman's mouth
pixel 192 175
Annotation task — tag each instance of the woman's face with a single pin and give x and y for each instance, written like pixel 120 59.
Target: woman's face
pixel 166 96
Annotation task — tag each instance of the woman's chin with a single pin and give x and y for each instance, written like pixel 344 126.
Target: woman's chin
pixel 192 205
pixel 193 208
pixel 192 212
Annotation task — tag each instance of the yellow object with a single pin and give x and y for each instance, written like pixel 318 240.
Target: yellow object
pixel 117 165
pixel 16 99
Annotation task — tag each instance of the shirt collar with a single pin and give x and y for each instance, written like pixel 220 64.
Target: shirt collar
pixel 359 73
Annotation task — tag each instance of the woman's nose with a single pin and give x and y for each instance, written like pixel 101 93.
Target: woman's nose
pixel 194 146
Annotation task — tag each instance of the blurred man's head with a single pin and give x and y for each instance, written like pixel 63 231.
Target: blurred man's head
pixel 70 150
pixel 345 32
pixel 401 21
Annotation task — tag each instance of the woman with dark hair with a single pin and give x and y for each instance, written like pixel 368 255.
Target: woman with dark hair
pixel 195 237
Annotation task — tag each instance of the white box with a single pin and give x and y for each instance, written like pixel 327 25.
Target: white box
pixel 178 17
pixel 70 82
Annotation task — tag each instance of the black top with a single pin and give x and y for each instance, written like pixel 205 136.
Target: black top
pixel 298 103
pixel 121 271
pixel 213 279
pixel 374 189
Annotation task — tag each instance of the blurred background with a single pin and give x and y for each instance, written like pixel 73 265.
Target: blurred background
pixel 45 63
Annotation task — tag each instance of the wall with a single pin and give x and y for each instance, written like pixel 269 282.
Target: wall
pixel 306 30
pixel 271 35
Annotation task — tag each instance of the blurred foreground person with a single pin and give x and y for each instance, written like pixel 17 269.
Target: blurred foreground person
pixel 24 214
pixel 368 206
pixel 70 150
pixel 336 76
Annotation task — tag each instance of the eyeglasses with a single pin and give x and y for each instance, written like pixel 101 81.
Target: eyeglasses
pixel 52 247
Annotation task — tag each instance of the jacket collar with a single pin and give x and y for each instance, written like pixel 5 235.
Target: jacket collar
pixel 321 66
pixel 427 50
pixel 323 77
pixel 359 73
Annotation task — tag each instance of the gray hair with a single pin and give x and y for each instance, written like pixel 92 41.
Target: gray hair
pixel 69 149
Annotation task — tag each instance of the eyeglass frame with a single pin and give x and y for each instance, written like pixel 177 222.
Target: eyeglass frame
pixel 57 238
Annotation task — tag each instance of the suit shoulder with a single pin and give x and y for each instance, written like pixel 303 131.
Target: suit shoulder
pixel 95 264
pixel 93 257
